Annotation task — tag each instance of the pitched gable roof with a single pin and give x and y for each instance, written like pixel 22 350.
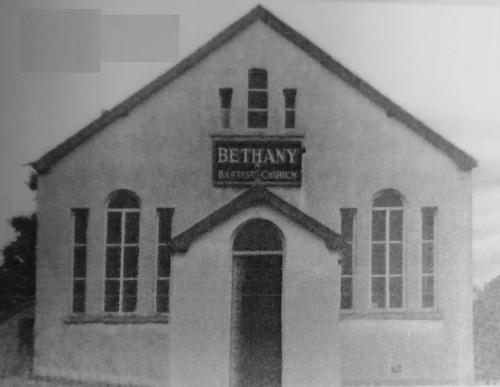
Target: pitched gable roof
pixel 458 156
pixel 256 196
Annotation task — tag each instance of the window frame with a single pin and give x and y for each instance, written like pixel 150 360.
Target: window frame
pixel 290 110
pixel 433 211
pixel 387 243
pixel 251 90
pixel 121 280
pixel 74 214
pixel 169 213
pixel 225 119
pixel 349 215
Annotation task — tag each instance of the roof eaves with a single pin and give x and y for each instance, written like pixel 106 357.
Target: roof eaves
pixel 123 109
pixel 312 225
pixel 463 160
pixel 255 196
pixel 460 158
pixel 183 241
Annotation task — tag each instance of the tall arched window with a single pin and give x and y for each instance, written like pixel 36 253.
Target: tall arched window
pixel 122 252
pixel 387 250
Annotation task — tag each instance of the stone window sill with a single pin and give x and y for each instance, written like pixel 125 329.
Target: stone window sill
pixel 256 133
pixel 430 315
pixel 115 319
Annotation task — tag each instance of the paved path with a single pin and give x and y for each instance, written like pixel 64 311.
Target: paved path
pixel 25 382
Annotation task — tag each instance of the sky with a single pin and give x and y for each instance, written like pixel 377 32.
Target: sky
pixel 440 60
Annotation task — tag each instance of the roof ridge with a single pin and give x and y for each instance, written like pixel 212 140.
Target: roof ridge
pixel 457 155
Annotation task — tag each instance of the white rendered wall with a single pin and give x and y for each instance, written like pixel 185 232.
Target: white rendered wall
pixel 162 151
pixel 201 308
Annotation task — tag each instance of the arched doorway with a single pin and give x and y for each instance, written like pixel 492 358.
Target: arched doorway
pixel 256 305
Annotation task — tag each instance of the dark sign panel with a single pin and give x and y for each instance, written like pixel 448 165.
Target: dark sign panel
pixel 250 162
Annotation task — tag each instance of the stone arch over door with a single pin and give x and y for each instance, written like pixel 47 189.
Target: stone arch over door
pixel 256 334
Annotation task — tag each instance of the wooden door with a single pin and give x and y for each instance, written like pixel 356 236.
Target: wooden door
pixel 257 320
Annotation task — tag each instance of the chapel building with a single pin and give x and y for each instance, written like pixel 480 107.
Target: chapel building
pixel 256 216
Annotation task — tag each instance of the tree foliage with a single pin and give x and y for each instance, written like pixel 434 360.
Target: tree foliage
pixel 486 331
pixel 18 270
pixel 33 182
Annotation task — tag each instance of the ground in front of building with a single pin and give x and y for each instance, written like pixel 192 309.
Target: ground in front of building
pixel 29 382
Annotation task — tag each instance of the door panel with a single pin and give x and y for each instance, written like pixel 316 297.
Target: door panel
pixel 257 320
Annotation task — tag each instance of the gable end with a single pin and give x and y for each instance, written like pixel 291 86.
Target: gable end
pixel 256 196
pixel 462 160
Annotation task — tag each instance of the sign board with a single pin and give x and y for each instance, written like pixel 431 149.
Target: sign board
pixel 240 163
